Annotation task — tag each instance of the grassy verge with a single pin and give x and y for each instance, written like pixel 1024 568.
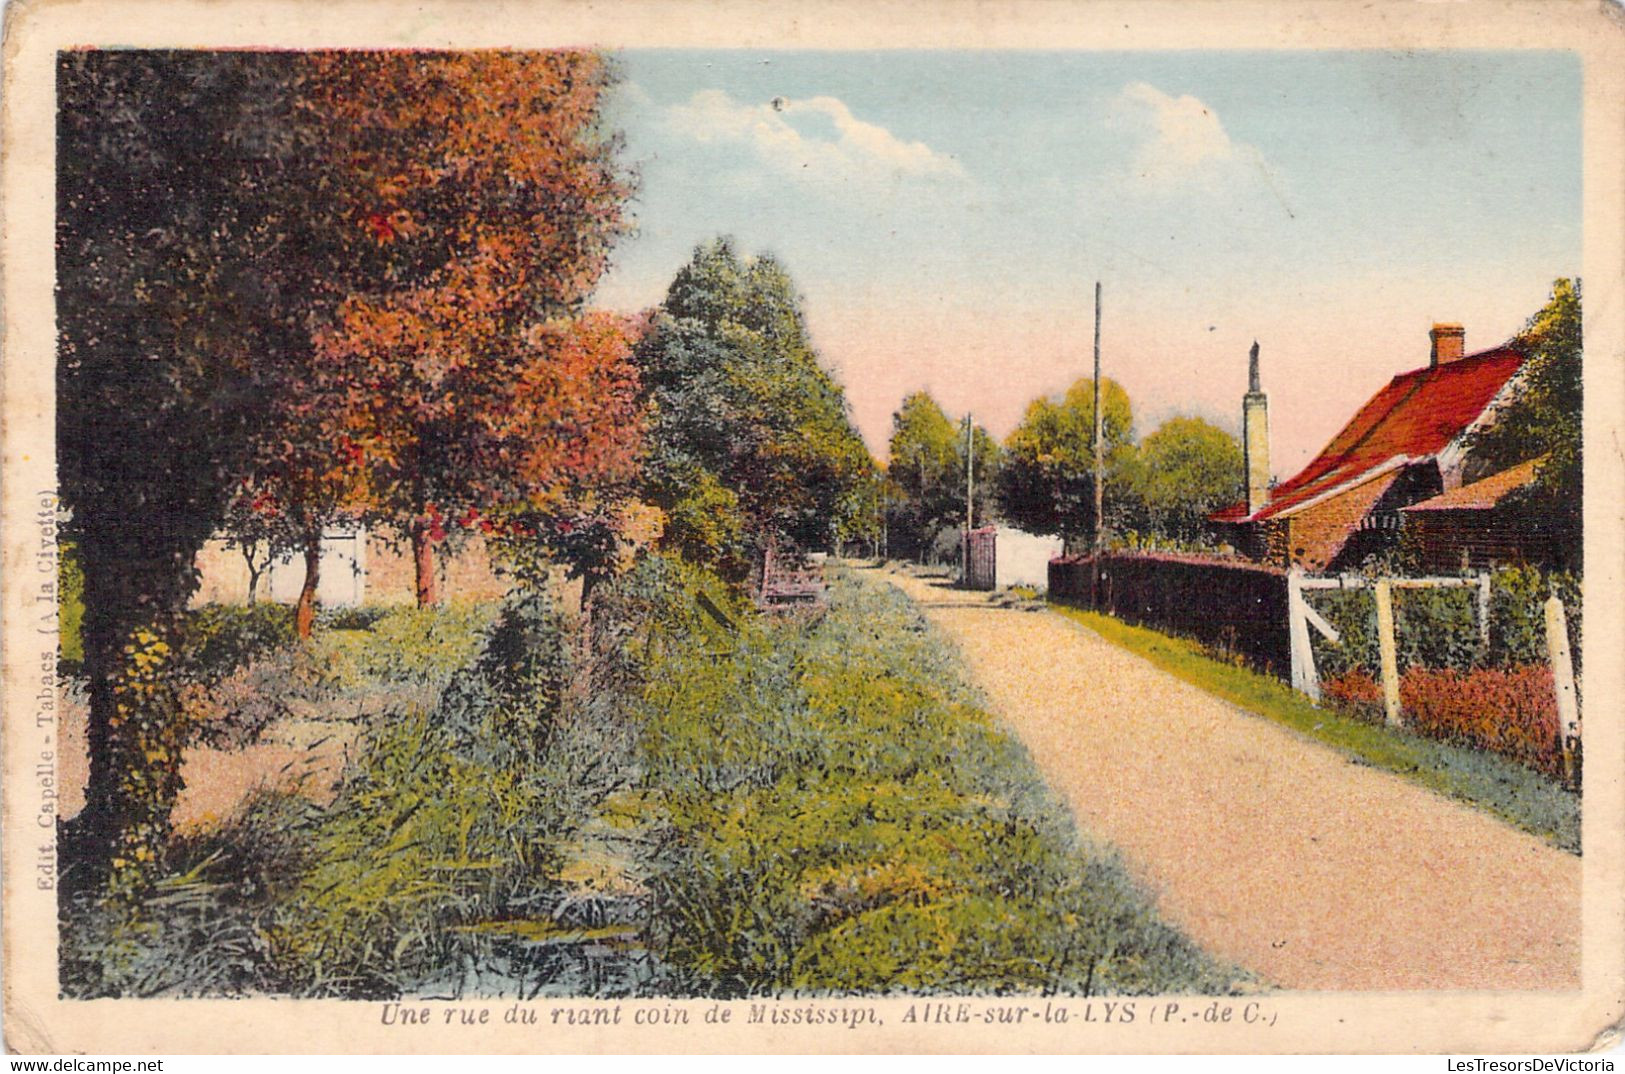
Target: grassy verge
pixel 840 815
pixel 662 804
pixel 1504 788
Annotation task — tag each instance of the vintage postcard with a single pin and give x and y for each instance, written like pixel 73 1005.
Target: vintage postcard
pixel 702 527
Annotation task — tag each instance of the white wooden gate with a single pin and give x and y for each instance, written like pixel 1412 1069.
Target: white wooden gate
pixel 1301 617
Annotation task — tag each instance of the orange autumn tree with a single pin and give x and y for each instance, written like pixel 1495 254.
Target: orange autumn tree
pixel 479 199
pixel 583 414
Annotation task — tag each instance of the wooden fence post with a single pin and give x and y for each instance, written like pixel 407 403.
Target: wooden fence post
pixel 1484 610
pixel 1297 617
pixel 1385 646
pixel 1568 704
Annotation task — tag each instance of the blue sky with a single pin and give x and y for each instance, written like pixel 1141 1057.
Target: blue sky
pixel 946 213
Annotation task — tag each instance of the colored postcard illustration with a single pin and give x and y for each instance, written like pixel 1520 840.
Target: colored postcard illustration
pixel 1060 528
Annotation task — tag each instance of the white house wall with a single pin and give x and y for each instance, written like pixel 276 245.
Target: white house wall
pixel 223 573
pixel 343 572
pixel 1023 559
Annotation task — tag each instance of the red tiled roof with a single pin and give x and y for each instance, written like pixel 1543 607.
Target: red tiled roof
pixel 1482 495
pixel 1414 417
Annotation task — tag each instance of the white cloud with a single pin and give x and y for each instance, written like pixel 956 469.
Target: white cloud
pixel 817 138
pixel 1179 140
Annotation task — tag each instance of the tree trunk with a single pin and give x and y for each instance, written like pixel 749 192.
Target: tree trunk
pixel 133 723
pixel 102 663
pixel 428 591
pixel 304 616
pixel 253 572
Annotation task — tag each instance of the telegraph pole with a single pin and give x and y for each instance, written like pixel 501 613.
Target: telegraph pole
pixel 1100 468
pixel 970 488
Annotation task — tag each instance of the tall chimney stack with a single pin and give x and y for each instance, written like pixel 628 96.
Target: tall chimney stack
pixel 1255 437
pixel 1449 342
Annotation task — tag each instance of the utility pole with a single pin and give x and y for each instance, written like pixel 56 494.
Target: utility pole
pixel 970 488
pixel 970 471
pixel 1100 468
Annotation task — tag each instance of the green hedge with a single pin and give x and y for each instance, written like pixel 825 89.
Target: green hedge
pixel 1438 628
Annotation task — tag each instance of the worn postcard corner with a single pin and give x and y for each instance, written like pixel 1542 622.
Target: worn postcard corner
pixel 1069 527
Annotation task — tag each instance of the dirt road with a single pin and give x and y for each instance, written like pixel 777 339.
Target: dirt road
pixel 1269 850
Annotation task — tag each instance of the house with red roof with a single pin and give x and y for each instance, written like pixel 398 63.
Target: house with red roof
pixel 1482 524
pixel 1408 446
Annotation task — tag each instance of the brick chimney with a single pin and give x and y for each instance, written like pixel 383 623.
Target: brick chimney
pixel 1255 437
pixel 1449 342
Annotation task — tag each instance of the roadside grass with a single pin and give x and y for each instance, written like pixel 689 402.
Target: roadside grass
pixel 662 805
pixel 840 814
pixel 1499 786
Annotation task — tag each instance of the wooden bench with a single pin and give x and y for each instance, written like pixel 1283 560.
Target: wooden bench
pixel 791 587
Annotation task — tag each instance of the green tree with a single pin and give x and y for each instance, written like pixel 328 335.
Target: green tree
pixel 185 245
pixel 1046 482
pixel 1182 472
pixel 749 436
pixel 927 472
pixel 1544 420
pixel 928 484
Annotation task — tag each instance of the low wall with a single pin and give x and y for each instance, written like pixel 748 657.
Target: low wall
pixel 1232 605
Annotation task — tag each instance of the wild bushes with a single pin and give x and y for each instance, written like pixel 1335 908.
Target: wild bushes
pixel 453 819
pixel 1511 711
pixel 240 668
pixel 420 843
pixel 353 900
pixel 219 637
pixel 404 646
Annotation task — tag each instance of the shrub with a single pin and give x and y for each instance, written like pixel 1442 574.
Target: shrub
pixel 502 708
pixel 1518 615
pixel 219 638
pixel 352 617
pixel 404 646
pixel 1355 692
pixel 1511 711
pixel 1437 628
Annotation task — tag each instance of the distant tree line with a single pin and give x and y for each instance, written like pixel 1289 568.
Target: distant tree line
pixel 1157 491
